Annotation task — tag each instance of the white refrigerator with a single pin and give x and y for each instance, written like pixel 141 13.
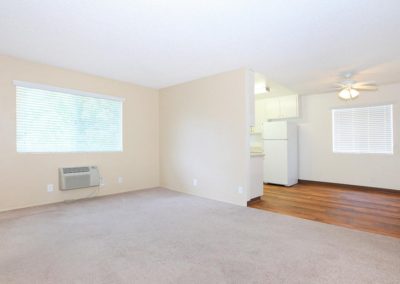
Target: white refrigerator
pixel 280 148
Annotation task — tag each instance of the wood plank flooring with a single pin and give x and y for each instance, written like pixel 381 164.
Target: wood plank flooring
pixel 370 210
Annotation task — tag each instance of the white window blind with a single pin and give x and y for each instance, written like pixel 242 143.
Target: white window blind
pixel 363 130
pixel 56 120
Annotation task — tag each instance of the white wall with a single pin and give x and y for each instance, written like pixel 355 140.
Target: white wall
pixel 319 163
pixel 23 177
pixel 204 135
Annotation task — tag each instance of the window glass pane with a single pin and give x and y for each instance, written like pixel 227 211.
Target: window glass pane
pixel 363 130
pixel 49 121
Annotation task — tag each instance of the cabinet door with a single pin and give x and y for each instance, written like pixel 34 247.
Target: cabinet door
pixel 256 177
pixel 289 106
pixel 272 108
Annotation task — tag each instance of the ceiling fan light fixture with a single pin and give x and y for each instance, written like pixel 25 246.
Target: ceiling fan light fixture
pixel 348 94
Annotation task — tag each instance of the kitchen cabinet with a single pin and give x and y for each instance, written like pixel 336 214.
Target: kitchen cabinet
pixel 256 176
pixel 272 108
pixel 282 107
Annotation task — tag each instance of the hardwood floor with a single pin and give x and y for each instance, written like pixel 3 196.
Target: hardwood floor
pixel 370 210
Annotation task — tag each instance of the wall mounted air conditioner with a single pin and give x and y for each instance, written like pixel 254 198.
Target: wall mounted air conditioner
pixel 78 177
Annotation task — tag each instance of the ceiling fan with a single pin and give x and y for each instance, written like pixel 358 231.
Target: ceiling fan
pixel 350 89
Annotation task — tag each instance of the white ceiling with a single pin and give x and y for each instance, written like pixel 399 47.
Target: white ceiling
pixel 302 44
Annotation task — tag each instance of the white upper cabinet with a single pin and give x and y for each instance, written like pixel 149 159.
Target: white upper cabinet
pixel 289 106
pixel 272 108
pixel 282 107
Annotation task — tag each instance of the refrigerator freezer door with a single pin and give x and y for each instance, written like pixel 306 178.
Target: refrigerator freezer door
pixel 276 161
pixel 275 130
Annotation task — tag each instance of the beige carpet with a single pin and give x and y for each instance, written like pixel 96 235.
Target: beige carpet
pixel 160 236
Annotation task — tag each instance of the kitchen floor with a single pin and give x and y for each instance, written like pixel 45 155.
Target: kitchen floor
pixel 366 210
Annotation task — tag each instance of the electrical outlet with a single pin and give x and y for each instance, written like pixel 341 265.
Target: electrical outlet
pixel 50 187
pixel 195 182
pixel 240 190
pixel 120 179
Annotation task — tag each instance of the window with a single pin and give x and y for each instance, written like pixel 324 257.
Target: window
pixel 56 120
pixel 363 130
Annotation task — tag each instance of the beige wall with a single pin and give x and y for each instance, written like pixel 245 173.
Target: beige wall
pixel 203 132
pixel 319 163
pixel 24 177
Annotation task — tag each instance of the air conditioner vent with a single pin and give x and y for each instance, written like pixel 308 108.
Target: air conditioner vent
pixel 75 170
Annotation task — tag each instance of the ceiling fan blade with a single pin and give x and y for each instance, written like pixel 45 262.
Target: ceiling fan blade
pixel 334 89
pixel 361 84
pixel 366 88
pixel 340 85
